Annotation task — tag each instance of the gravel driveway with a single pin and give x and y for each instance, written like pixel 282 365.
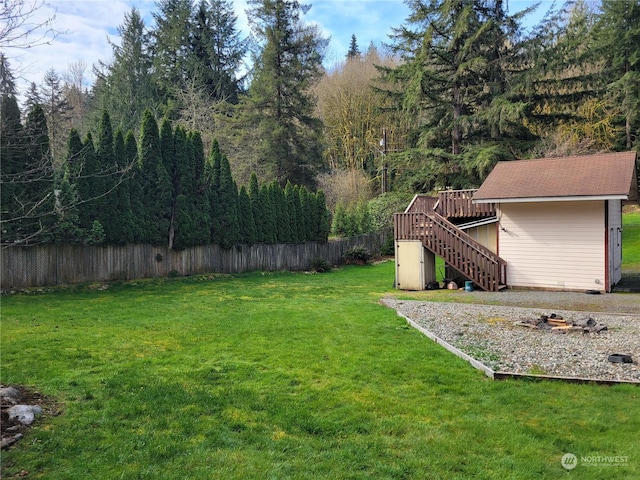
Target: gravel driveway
pixel 487 331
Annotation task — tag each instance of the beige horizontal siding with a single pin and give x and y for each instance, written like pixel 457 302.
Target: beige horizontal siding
pixel 558 245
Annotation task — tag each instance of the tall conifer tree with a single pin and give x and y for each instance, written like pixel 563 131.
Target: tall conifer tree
pixel 257 208
pixel 213 180
pixel 126 87
pixel 120 199
pixel 618 44
pixel 200 193
pixel 454 79
pixel 135 187
pixel 280 106
pixel 228 199
pixel 245 218
pixel 155 183
pixel 106 182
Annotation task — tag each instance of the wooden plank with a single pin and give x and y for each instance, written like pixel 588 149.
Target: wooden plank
pixel 41 265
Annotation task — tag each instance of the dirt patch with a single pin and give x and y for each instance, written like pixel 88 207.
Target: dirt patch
pixel 12 429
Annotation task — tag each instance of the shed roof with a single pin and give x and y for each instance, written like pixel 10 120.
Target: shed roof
pixel 602 176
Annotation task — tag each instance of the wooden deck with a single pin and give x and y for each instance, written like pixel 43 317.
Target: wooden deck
pixel 458 249
pixel 427 219
pixel 452 204
pixel 459 204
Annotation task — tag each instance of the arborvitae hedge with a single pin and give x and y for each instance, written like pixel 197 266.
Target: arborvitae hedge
pixel 161 190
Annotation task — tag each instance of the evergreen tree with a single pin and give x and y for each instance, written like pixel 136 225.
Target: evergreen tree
pixel 12 160
pixel 172 155
pixel 217 50
pixel 618 44
pixel 168 153
pixel 280 108
pixel 564 78
pixel 200 197
pixel 283 228
pixel 455 81
pixel 213 180
pixel 305 217
pixel 122 226
pixel 354 51
pixel 323 217
pixel 89 184
pixel 155 183
pixel 33 181
pixel 67 228
pixel 74 161
pixel 228 199
pixel 56 107
pixel 293 206
pixel 135 187
pixel 363 218
pixel 257 208
pixel 125 87
pixel 339 225
pixel 108 179
pixel 171 47
pixel 184 223
pixel 268 215
pixel 300 223
pixel 245 218
pixel 32 97
pixel 36 192
pixel 7 79
pixel 184 189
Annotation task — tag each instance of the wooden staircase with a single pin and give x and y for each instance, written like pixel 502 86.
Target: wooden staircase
pixel 459 250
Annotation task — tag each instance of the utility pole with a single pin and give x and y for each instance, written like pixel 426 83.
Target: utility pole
pixel 383 144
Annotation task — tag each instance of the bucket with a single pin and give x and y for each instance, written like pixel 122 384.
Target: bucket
pixel 468 286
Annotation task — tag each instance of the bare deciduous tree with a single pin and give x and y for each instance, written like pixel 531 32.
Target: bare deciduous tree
pixel 20 26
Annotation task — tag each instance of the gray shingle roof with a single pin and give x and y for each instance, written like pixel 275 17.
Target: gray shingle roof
pixel 601 175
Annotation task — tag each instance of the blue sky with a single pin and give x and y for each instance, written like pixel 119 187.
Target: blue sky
pixel 89 25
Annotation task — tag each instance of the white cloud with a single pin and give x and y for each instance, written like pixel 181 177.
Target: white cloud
pixel 88 25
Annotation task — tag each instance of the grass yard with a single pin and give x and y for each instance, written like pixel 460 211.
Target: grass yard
pixel 283 376
pixel 631 241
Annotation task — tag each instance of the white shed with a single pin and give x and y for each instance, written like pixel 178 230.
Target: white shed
pixel 560 219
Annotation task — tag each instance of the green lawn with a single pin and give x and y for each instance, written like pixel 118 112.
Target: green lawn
pixel 631 241
pixel 283 376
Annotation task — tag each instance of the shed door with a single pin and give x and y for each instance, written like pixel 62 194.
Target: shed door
pixel 612 262
pixel 415 266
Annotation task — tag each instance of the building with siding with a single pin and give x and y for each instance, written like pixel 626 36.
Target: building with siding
pixel 559 220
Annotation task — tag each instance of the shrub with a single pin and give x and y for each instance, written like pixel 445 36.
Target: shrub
pixel 359 255
pixel 96 235
pixel 320 265
pixel 389 247
pixel 382 208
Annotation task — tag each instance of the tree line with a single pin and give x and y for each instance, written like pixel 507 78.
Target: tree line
pixel 159 189
pixel 461 85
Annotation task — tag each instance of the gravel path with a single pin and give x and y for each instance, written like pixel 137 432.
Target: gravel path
pixel 488 333
pixel 608 303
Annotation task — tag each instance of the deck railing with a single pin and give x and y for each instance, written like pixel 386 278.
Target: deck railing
pixel 459 204
pixel 458 249
pixel 422 203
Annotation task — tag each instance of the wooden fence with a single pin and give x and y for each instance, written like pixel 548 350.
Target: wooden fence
pixel 43 265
